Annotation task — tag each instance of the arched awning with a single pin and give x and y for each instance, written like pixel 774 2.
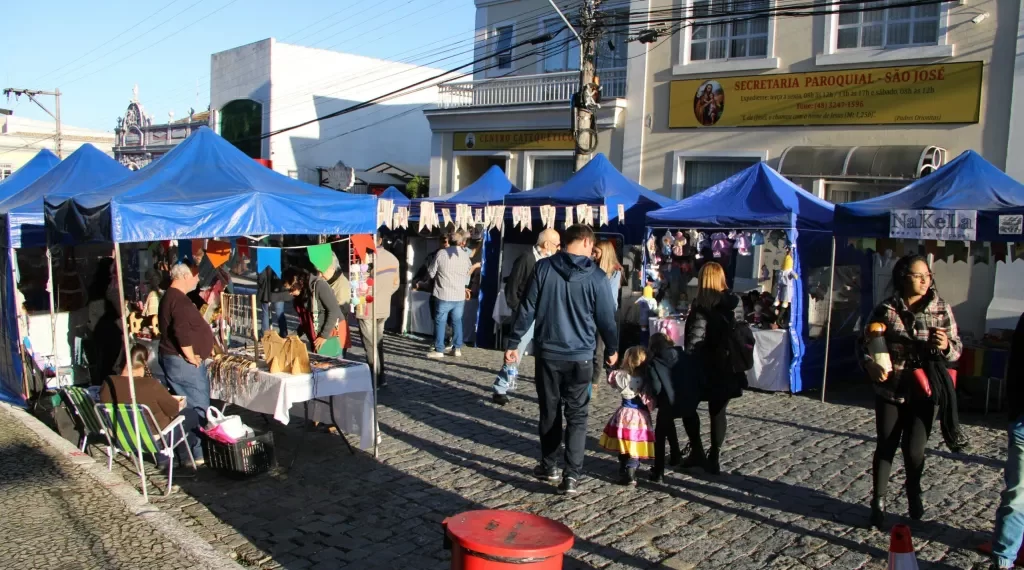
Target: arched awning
pixel 894 163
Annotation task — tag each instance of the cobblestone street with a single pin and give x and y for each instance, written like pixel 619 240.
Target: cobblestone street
pixel 57 517
pixel 793 492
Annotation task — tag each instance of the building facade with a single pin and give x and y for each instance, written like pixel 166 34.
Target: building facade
pixel 264 87
pixel 22 138
pixel 515 112
pixel 138 141
pixel 849 105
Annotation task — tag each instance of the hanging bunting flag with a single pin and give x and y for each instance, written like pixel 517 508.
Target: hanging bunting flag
pixel 568 216
pixel 467 216
pixel 320 256
pixel 404 217
pixel 384 209
pixel 527 219
pixel 931 247
pixel 197 247
pixel 428 216
pixel 360 244
pixel 621 208
pixel 447 216
pixel 1017 251
pixel 517 217
pixel 581 210
pixel 603 215
pixel 243 246
pixel 185 251
pixel 588 214
pixel 268 257
pixel 499 217
pixel 488 217
pixel 980 253
pixel 396 219
pixel 547 216
pixel 219 252
pixel 478 216
pixel 999 252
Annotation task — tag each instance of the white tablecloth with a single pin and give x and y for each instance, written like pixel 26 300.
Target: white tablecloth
pixel 772 356
pixel 340 396
pixel 421 323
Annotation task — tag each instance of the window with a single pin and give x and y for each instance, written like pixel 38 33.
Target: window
pixel 6 170
pixel 701 174
pixel 611 47
pixel 241 124
pixel 550 170
pixel 870 25
pixel 503 46
pixel 742 38
pixel 563 51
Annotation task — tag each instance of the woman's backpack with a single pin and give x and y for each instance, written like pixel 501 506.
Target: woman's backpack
pixel 733 351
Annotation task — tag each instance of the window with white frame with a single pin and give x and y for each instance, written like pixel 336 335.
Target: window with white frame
pixel 702 173
pixel 548 170
pixel 730 37
pixel 873 25
pixel 562 52
pixel 503 46
pixel 6 170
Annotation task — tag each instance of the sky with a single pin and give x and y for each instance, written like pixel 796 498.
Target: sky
pixel 96 51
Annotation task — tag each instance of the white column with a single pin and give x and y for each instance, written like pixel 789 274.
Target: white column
pixel 1015 144
pixel 437 159
pixel 636 102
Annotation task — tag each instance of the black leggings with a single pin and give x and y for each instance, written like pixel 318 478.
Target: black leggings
pixel 664 429
pixel 691 423
pixel 905 426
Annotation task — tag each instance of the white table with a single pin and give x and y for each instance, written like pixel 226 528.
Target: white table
pixel 772 355
pixel 340 396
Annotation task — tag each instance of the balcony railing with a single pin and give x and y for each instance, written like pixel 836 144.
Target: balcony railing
pixel 526 89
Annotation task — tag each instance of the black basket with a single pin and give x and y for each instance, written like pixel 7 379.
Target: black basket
pixel 250 456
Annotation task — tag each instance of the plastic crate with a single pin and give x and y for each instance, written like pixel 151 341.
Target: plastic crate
pixel 245 457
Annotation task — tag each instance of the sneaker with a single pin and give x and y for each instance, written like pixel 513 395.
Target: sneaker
pixel 500 399
pixel 569 486
pixel 628 477
pixel 435 355
pixel 457 353
pixel 550 475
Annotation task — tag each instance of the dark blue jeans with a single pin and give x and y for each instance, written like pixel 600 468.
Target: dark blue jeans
pixel 444 309
pixel 191 382
pixel 1010 515
pixel 279 318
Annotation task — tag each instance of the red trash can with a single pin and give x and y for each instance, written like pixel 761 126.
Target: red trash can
pixel 506 540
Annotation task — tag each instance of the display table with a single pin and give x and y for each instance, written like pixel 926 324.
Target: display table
pixel 421 323
pixel 772 356
pixel 341 396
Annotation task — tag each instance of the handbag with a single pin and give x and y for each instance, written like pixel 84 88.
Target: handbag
pixel 297 356
pixel 921 379
pixel 231 426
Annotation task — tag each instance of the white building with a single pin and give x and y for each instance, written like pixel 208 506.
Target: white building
pixel 1015 144
pixel 21 138
pixel 267 86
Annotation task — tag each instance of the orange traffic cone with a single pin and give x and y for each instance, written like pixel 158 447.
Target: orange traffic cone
pixel 901 549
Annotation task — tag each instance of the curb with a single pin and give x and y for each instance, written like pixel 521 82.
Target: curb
pixel 191 544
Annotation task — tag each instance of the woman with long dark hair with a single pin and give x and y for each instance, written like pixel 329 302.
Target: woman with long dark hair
pixel 922 341
pixel 712 315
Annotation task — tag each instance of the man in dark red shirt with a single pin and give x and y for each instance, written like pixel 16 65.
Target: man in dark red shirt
pixel 185 344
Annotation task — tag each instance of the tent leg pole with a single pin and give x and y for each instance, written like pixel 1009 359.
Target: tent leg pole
pixel 53 308
pixel 17 311
pixel 379 364
pixel 131 379
pixel 828 320
pixel 501 271
pixel 408 284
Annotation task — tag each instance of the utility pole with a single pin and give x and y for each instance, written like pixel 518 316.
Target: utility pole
pixel 32 93
pixel 585 100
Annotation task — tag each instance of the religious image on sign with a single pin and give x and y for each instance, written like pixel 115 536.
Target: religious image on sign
pixel 934 224
pixel 709 103
pixel 1011 224
pixel 470 140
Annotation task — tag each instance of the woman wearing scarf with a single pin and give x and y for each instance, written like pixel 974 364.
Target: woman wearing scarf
pixel 921 338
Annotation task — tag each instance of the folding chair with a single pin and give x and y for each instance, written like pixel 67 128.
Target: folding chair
pixel 119 420
pixel 84 408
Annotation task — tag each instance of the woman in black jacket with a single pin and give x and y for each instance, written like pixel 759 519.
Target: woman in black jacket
pixel 711 317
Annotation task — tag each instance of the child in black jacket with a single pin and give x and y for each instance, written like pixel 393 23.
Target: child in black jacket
pixel 663 369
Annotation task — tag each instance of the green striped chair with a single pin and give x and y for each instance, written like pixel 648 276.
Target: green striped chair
pixel 82 405
pixel 119 420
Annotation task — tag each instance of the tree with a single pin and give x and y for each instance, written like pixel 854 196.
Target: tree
pixel 415 186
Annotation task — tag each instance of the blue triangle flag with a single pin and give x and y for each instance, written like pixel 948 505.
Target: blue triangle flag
pixel 268 257
pixel 185 251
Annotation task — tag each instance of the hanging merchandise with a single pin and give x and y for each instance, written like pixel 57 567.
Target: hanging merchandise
pixel 679 245
pixel 742 244
pixel 603 215
pixel 756 238
pixel 765 275
pixel 568 217
pixel 786 286
pixel 652 248
pixel 720 245
pixel 702 244
pixel 666 244
pixel 621 208
pixel 647 306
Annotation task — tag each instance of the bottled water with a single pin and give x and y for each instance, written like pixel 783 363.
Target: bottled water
pixel 511 372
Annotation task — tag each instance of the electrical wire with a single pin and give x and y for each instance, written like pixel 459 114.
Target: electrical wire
pixel 24 146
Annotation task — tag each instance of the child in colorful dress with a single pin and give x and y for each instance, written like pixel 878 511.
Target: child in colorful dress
pixel 628 432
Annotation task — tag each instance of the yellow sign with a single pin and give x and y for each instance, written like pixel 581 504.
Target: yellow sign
pixel 514 140
pixel 925 94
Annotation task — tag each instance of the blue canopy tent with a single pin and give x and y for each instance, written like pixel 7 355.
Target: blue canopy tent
pixel 396 196
pixel 11 372
pixel 22 212
pixel 205 187
pixel 761 198
pixel 490 189
pixel 599 183
pixel 43 161
pixel 968 182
